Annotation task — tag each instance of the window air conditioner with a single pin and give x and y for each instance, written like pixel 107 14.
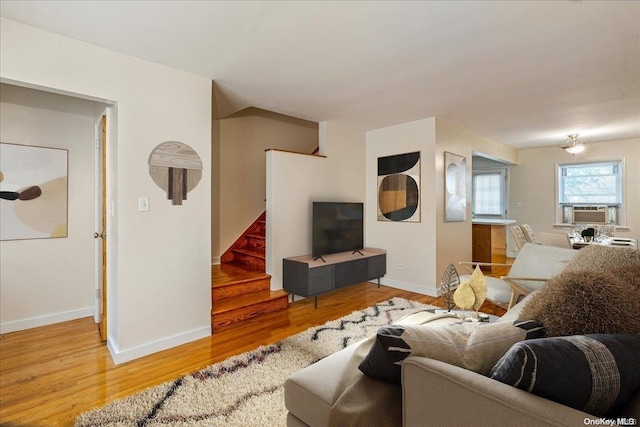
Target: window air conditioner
pixel 591 214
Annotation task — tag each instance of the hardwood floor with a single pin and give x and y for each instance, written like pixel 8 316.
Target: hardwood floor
pixel 49 375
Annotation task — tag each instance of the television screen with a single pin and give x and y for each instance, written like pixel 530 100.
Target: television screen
pixel 337 227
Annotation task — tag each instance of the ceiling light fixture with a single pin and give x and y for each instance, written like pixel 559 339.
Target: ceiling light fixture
pixel 573 146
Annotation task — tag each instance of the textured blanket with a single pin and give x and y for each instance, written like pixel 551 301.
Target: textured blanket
pixel 361 400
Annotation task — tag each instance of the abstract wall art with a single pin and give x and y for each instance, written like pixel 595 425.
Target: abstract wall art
pixel 176 168
pixel 455 169
pixel 399 188
pixel 33 192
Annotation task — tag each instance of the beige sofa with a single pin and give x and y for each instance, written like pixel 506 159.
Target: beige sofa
pixel 433 393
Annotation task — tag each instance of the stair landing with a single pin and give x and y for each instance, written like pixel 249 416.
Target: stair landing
pixel 240 294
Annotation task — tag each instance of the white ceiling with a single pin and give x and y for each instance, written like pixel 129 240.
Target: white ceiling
pixel 525 73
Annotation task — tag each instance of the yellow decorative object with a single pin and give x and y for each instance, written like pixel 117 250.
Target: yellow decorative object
pixel 464 297
pixel 479 285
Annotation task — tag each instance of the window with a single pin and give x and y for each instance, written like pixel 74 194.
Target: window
pixel 489 192
pixel 590 184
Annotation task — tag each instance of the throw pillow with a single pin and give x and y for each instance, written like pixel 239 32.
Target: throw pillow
pixel 578 303
pixel 628 274
pixel 473 346
pixel 603 258
pixel 596 374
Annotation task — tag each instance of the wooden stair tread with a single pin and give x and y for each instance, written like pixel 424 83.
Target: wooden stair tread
pixel 231 282
pixel 249 252
pixel 246 300
pixel 226 273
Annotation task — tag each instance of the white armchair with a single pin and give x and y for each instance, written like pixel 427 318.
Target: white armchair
pixel 518 236
pixel 528 233
pixel 534 265
pixel 560 240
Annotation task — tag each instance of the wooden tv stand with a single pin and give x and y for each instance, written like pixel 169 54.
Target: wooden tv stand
pixel 306 277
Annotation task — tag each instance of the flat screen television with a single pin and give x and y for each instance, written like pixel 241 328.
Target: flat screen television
pixel 337 227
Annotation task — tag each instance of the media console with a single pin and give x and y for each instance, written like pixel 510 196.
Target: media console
pixel 307 277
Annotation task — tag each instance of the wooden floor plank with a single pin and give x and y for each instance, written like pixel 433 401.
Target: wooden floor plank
pixel 49 375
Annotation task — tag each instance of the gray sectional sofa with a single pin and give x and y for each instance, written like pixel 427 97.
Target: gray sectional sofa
pixel 434 393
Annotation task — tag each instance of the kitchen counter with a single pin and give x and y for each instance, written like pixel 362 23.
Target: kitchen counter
pixel 489 221
pixel 489 240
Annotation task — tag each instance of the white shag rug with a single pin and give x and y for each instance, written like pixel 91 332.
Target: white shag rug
pixel 245 390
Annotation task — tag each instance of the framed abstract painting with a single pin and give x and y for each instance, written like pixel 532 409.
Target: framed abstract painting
pixel 33 192
pixel 399 188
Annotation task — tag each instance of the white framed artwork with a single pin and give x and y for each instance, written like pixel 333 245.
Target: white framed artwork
pixel 455 169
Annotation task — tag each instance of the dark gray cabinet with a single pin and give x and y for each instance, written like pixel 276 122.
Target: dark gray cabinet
pixel 306 277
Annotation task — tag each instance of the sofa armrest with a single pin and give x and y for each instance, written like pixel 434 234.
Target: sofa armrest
pixel 471 265
pixel 517 290
pixel 449 395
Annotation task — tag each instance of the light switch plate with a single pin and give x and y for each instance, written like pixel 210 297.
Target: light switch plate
pixel 143 203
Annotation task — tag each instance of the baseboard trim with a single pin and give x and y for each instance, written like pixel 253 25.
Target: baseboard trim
pixel 48 319
pixel 215 260
pixel 409 287
pixel 122 356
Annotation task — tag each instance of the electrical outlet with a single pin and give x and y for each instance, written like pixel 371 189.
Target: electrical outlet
pixel 399 266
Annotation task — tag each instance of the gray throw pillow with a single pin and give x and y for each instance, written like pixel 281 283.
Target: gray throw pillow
pixel 596 374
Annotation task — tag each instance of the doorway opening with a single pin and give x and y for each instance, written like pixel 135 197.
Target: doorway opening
pixel 69 282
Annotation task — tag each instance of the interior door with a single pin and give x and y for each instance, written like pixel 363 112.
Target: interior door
pixel 101 226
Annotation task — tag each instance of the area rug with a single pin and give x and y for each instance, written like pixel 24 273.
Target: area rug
pixel 245 390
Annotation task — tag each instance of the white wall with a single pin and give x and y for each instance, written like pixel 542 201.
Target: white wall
pixel 45 281
pixel 454 239
pixel 244 137
pixel 159 279
pixel 424 248
pixel 410 244
pixel 539 166
pixel 294 181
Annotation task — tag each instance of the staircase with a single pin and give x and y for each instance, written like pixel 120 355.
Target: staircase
pixel 249 249
pixel 240 289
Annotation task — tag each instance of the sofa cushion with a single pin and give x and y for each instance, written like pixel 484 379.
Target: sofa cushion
pixel 473 346
pixel 577 303
pixel 596 374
